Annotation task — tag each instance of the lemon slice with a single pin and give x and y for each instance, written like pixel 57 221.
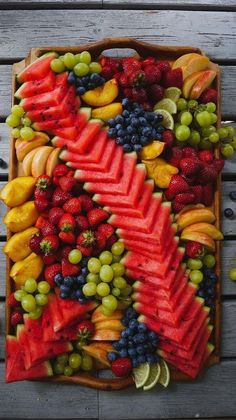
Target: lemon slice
pixel 141 374
pixel 164 377
pixel 155 371
pixel 166 104
pixel 172 93
pixel 168 121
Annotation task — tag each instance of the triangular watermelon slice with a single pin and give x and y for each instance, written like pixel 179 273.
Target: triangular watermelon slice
pixel 87 135
pixel 38 69
pixel 35 87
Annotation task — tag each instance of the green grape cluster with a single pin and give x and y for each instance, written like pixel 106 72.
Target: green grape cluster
pixel 81 64
pixel 105 280
pixel 20 124
pixel 33 296
pixel 68 364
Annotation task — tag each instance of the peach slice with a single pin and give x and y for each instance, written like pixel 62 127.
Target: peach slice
pixel 106 335
pixel 183 60
pixel 200 237
pixel 97 315
pixel 202 83
pixel 111 324
pixel 152 150
pixel 108 111
pixel 27 161
pixel 102 95
pixel 52 161
pixel 189 82
pixel 198 63
pixel 195 216
pixel 207 228
pixel 98 354
pixel 189 207
pixel 24 147
pixel 39 160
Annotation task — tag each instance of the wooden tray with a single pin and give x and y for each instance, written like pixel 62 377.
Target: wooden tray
pixel 141 49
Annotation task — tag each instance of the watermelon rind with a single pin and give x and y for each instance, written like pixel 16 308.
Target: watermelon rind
pixel 21 76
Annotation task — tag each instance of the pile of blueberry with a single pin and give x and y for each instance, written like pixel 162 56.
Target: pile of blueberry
pixel 137 342
pixel 71 286
pixel 135 127
pixel 207 288
pixel 84 83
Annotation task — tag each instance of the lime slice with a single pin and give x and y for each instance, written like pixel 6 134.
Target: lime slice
pixel 155 371
pixel 141 374
pixel 166 104
pixel 167 121
pixel 172 93
pixel 164 377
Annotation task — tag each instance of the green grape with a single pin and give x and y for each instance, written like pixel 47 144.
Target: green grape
pixel 62 358
pixel 61 57
pixel 117 248
pixel 192 104
pixel 81 69
pixel 182 133
pixel 209 261
pixel 196 276
pixel 110 302
pixel 106 273
pixel 207 131
pixel 115 291
pixel 15 133
pixel 227 150
pixel 103 289
pixel 223 132
pixel 232 274
pixel 231 132
pixel 118 269
pixel 116 258
pixel 19 294
pixel 77 58
pixel 176 125
pixel 94 265
pixel 214 137
pixel 194 264
pixel 17 110
pixel 44 287
pixel 30 285
pixel 105 257
pixel 58 368
pixel 210 107
pixel 205 144
pixel 87 362
pixel 126 291
pixel 26 122
pixel 68 371
pixel 186 118
pixel 28 303
pixel 89 289
pixel 36 314
pixel 41 299
pixel 106 311
pixel 233 143
pixel 69 60
pixel 75 360
pixel 214 118
pixel 85 57
pixel 27 133
pixel 93 278
pixel 95 67
pixel 203 118
pixel 119 282
pixel 13 120
pixel 57 65
pixel 194 138
pixel 75 256
pixel 181 104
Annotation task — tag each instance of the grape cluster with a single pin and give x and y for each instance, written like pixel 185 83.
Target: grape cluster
pixel 68 364
pixel 137 342
pixel 135 127
pixel 33 296
pixel 20 124
pixel 81 64
pixel 84 83
pixel 207 287
pixel 71 286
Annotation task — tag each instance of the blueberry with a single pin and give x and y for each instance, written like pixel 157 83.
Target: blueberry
pixel 80 280
pixel 211 291
pixel 78 82
pixel 102 80
pixel 117 345
pixel 112 132
pixel 134 139
pixel 140 338
pixel 79 294
pixel 85 79
pixel 124 334
pixel 123 342
pixel 80 90
pixel 229 213
pixel 152 335
pixel 65 289
pixel 123 353
pixel 213 278
pixel 132 352
pixel 91 86
pixel 84 271
pixel 130 129
pixel 151 358
pixel 58 279
pixel 158 136
pixel 146 131
pixel 144 140
pixel 112 356
pixel 154 343
pixel 119 141
pixel 68 281
pixel 125 113
pixel 137 148
pixel 94 77
pixel 158 117
pixel 71 78
pixel 127 147
pixel 207 272
pixel 140 349
pixel 134 122
pixel 232 195
pixel 111 122
pixel 130 331
pixel 209 301
pixel 125 322
pixel 119 119
pixel 130 313
pixel 84 261
pixel 63 295
pixel 73 294
pixel 201 293
pixel 133 323
pixel 160 129
pixel 142 121
pixel 118 127
pixel 150 116
pixel 141 359
pixel 135 362
pixel 120 133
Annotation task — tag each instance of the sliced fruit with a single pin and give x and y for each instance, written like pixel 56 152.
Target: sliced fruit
pixel 167 104
pixel 207 228
pixel 27 161
pixel 40 160
pixel 17 191
pixel 164 377
pixel 38 69
pixel 202 83
pixel 21 217
pixel 152 150
pixel 110 324
pixel 197 63
pixel 141 374
pixel 172 93
pixel 189 82
pixel 168 121
pixel 200 237
pixel 35 87
pixel 108 111
pixel 102 95
pixel 24 147
pixel 29 267
pixel 106 335
pixel 184 59
pixel 17 247
pixel 195 216
pixel 189 207
pixel 97 315
pixel 86 136
pixel 98 353
pixel 153 378
pixel 52 161
pixel 162 174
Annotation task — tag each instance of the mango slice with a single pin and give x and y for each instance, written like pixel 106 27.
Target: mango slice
pixel 18 191
pixel 17 247
pixel 30 267
pixel 20 218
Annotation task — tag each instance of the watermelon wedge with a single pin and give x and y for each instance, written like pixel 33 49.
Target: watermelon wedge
pixel 44 100
pixel 51 125
pixel 63 136
pixel 158 255
pixel 38 69
pixel 35 87
pixel 87 135
pixel 103 165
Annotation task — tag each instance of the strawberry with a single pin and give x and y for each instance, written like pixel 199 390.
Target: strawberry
pixel 107 72
pixel 40 222
pixel 16 318
pixel 51 271
pixel 130 64
pixel 82 222
pixel 11 301
pixel 184 198
pixel 73 206
pixel 64 252
pixel 110 241
pixel 164 66
pixel 190 166
pixel 168 137
pixel 177 207
pixel 41 194
pixel 55 214
pixel 197 191
pixel 60 197
pixel 139 95
pixel 156 92
pixel 173 78
pixel 34 243
pixel 207 174
pixel 101 241
pixel 67 237
pixel 86 202
pixel 121 366
pixel 218 164
pixel 43 182
pixel 175 156
pixel 209 95
pixel 194 249
pixel 206 156
pixel 123 80
pixel 87 252
pixel 69 269
pixel 152 74
pixel 85 330
pixel 49 259
pixel 67 183
pixel 177 185
pixel 48 229
pixel 128 93
pixel 147 61
pixel 41 204
pixel 97 215
pixel 189 152
pixel 60 170
pixel 49 244
pixel 106 230
pixel 55 181
pixel 67 222
pixel 207 194
pixel 86 239
pixel 137 78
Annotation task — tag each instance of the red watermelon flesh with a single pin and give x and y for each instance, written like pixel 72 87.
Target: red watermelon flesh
pixel 67 133
pixel 123 185
pixel 159 255
pixel 112 175
pixel 51 125
pixel 63 136
pixel 131 200
pixel 35 87
pixel 103 165
pixel 15 370
pixel 38 69
pixel 86 137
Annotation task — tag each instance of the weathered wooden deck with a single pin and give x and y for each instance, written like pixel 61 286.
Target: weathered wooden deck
pixel 208 24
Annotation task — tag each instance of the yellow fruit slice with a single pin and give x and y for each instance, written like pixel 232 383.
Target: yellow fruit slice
pixel 164 378
pixel 189 207
pixel 207 228
pixel 17 247
pixel 162 175
pixel 173 93
pixel 21 217
pixel 108 111
pixel 102 95
pixel 168 121
pixel 155 371
pixel 141 374
pixel 200 237
pixel 17 191
pixel 167 104
pixel 195 216
pixel 152 150
pixel 184 59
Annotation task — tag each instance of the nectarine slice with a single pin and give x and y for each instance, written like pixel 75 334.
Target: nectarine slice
pixel 106 335
pixel 203 82
pixel 111 324
pixel 189 82
pixel 195 64
pixel 183 60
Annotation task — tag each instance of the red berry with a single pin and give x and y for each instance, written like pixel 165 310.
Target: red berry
pixel 111 240
pixel 197 190
pixel 41 204
pixel 40 222
pixel 155 92
pixel 69 269
pixel 107 72
pixel 207 194
pixel 87 252
pixel 86 239
pixel 11 301
pixel 34 244
pixel 51 271
pixel 49 244
pixel 128 93
pixel 67 223
pixel 106 230
pixel 86 202
pixel 123 80
pixel 49 259
pixel 146 106
pixel 148 61
pixel 48 229
pixel 175 155
pixel 16 318
pixel 55 214
pixel 60 197
pixel 194 249
pixel 184 198
pixel 64 252
pixel 73 205
pixel 60 170
pixel 85 329
pixel 67 183
pixel 130 64
pixel 177 185
pixel 82 222
pixel 55 181
pixel 137 78
pixel 218 164
pixel 121 366
pixel 209 95
pixel 67 237
pixel 177 207
pixel 168 137
pixel 152 74
pixel 43 182
pixel 207 174
pixel 164 66
pixel 173 78
pixel 206 156
pixel 139 95
pixel 189 152
pixel 190 166
pixel 97 215
pixel 100 242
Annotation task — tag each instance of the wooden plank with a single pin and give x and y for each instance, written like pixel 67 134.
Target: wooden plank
pixel 228 261
pixel 2 213
pixel 2 271
pixel 64 3
pixel 154 26
pixel 213 395
pixel 228 226
pixel 5 90
pixel 181 4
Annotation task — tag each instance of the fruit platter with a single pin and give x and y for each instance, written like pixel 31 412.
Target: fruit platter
pixel 113 215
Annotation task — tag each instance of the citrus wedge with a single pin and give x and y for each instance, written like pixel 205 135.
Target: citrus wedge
pixel 141 374
pixel 164 377
pixel 168 121
pixel 166 104
pixel 155 371
pixel 172 93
